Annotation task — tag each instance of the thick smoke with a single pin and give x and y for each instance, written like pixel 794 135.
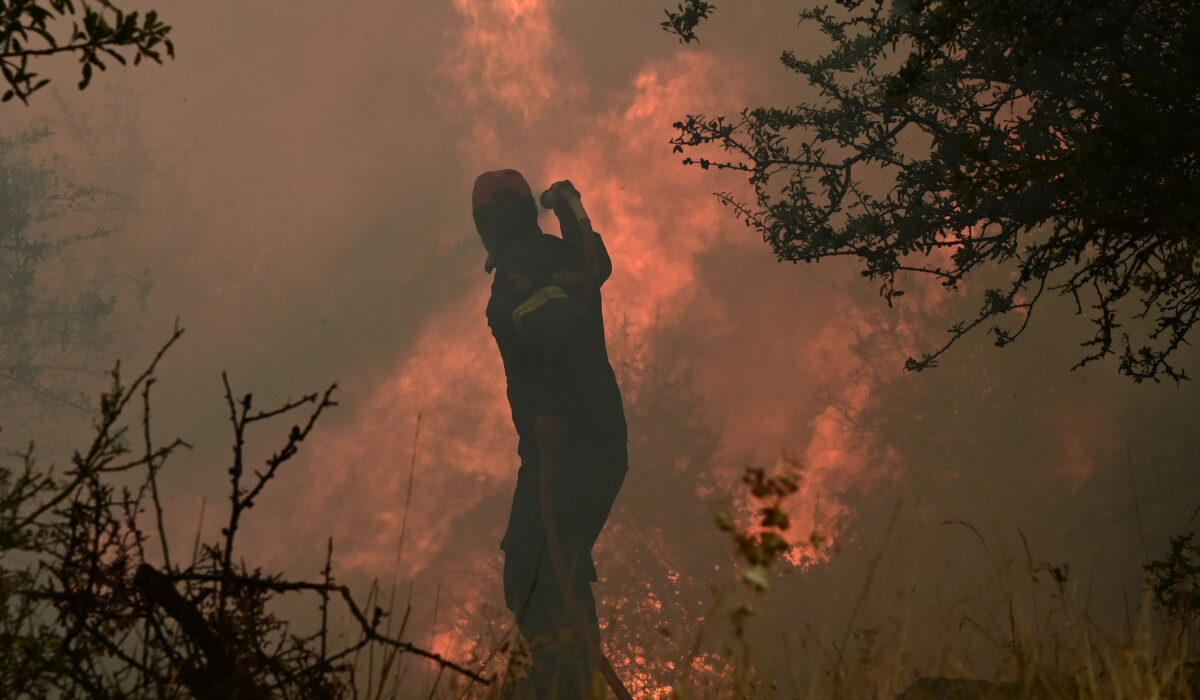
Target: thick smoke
pixel 301 202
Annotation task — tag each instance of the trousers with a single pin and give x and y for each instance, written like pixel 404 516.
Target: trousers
pixel 550 592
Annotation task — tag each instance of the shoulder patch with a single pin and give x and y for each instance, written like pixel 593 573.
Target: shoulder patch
pixel 568 277
pixel 521 281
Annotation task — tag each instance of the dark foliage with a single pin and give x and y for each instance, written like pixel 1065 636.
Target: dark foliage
pixel 1054 141
pixel 766 540
pixel 51 324
pixel 1175 581
pixel 99 31
pixel 89 612
pixel 687 16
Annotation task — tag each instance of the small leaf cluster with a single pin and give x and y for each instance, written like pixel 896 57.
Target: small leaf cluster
pixel 1055 142
pixel 1175 580
pixel 99 31
pixel 760 545
pixel 683 21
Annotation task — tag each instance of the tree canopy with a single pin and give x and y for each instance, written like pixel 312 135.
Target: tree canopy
pixel 1057 141
pixel 54 313
pixel 98 31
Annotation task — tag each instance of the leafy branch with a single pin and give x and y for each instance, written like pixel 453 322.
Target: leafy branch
pixel 947 139
pixel 683 21
pixel 99 31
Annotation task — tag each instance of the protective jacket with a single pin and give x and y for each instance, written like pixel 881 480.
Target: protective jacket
pixel 554 352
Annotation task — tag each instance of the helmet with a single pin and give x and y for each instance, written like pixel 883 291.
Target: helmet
pixel 490 187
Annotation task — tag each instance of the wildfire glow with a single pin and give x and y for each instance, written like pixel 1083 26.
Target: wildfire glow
pixel 768 384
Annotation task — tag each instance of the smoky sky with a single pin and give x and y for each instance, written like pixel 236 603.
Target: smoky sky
pixel 295 188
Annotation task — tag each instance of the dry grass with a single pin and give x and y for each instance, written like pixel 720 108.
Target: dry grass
pixel 1024 632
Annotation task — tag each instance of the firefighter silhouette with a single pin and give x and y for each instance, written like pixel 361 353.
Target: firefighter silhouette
pixel 546 315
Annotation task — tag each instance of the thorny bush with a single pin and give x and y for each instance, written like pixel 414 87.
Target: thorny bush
pixel 89 612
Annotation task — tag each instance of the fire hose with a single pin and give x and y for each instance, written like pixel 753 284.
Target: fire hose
pixel 566 580
pixel 564 195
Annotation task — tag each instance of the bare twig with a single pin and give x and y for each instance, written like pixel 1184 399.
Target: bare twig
pixel 327 575
pixel 412 470
pixel 105 446
pixel 369 628
pixel 241 500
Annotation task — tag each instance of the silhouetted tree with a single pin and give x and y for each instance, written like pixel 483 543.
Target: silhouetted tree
pixel 1055 141
pixel 54 315
pixel 99 31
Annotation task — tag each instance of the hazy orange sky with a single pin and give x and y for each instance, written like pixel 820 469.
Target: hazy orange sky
pixel 297 183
